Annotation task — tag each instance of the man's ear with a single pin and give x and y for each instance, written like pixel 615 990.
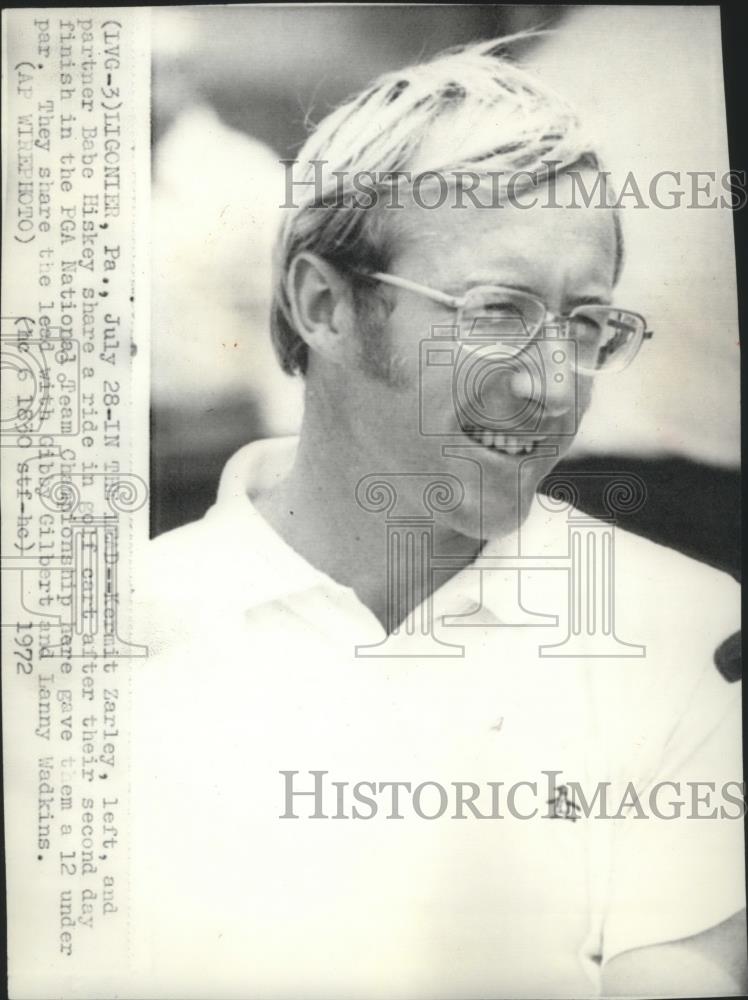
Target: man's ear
pixel 321 305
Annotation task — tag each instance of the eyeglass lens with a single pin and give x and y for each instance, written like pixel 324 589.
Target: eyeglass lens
pixel 605 338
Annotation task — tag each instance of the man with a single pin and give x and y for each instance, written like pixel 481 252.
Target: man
pixel 380 646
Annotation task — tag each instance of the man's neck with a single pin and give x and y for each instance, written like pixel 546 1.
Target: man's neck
pixel 314 509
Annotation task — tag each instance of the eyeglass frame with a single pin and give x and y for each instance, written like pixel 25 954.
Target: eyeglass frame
pixel 459 302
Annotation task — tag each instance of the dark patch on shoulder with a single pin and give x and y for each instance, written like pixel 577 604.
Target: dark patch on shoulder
pixel 728 658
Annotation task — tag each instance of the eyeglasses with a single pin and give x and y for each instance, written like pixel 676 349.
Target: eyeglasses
pixel 607 339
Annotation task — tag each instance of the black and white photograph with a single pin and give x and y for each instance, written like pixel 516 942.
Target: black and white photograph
pixel 371 562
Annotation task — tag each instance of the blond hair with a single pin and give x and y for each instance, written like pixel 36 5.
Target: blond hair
pixel 380 131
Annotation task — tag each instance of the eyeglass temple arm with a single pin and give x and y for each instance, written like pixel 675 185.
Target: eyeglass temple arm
pixel 453 301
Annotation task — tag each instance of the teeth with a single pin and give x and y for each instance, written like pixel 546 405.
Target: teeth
pixel 509 444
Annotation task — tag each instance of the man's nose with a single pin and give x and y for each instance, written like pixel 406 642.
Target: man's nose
pixel 544 374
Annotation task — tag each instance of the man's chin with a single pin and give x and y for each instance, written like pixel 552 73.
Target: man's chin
pixel 504 515
pixel 491 514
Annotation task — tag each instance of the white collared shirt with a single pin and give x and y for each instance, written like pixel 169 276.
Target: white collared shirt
pixel 262 668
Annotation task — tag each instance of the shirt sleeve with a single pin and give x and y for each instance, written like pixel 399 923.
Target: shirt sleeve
pixel 677 863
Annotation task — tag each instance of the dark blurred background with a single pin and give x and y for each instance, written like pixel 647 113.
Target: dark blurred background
pixel 235 89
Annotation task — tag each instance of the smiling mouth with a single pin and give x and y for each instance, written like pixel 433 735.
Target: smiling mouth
pixel 504 444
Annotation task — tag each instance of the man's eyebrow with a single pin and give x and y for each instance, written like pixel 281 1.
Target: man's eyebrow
pixel 590 300
pixel 489 282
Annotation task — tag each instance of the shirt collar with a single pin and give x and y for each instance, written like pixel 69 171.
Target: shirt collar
pixel 270 569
